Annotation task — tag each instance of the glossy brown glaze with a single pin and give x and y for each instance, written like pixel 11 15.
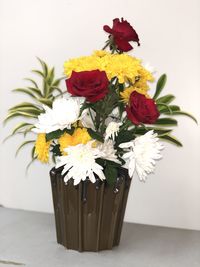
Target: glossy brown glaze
pixel 89 217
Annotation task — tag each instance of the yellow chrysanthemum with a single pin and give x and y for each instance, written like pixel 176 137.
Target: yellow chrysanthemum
pixel 64 141
pixel 42 148
pixel 80 136
pixel 123 66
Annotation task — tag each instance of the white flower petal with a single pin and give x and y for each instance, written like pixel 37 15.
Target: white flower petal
pixel 107 151
pixel 141 154
pixel 80 163
pixel 112 130
pixel 63 114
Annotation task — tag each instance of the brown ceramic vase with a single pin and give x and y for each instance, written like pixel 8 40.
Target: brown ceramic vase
pixel 89 217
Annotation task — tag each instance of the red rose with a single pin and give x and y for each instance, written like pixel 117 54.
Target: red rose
pixel 93 85
pixel 122 33
pixel 141 109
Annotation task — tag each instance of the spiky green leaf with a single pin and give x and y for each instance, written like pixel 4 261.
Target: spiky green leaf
pixel 167 99
pixel 20 126
pixel 25 105
pixel 32 81
pixel 25 91
pixel 44 67
pixel 184 114
pixel 166 122
pixel 17 114
pixel 95 135
pixel 171 139
pixel 160 85
pixel 45 101
pixel 163 109
pixel 23 144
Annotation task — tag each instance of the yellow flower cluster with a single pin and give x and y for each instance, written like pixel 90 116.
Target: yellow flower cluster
pixel 123 66
pixel 80 136
pixel 42 148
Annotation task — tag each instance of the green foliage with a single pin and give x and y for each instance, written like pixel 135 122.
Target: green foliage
pixel 110 170
pixel 179 112
pixel 159 131
pixel 111 174
pixel 160 85
pixel 167 99
pixel 171 139
pixel 44 94
pixel 95 135
pixel 57 134
pixel 56 150
pixel 124 136
pixel 166 122
pixel 24 144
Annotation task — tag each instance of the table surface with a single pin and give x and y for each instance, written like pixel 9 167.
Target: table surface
pixel 28 239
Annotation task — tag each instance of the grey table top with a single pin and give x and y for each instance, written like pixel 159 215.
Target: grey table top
pixel 28 239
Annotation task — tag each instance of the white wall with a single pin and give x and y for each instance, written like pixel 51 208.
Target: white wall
pixel 56 30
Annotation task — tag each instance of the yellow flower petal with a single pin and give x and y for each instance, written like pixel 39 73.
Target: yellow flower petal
pixel 42 148
pixel 80 136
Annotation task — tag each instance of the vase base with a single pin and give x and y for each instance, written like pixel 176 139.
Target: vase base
pixel 89 218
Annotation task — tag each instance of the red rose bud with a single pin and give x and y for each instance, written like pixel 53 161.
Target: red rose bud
pixel 93 85
pixel 141 109
pixel 122 33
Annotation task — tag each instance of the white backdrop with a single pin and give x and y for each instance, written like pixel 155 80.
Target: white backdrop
pixel 56 30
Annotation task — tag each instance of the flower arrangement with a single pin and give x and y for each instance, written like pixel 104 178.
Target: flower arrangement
pixel 106 119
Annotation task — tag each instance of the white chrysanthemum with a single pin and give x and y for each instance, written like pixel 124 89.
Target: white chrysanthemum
pixel 107 151
pixel 79 163
pixel 64 112
pixel 112 130
pixel 141 154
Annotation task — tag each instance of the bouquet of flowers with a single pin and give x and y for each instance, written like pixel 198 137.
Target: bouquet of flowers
pixel 106 119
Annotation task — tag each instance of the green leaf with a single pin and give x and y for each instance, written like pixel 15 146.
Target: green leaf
pixel 171 139
pixel 30 163
pixel 17 114
pixel 23 144
pixel 57 134
pixel 35 90
pixel 124 136
pixel 40 73
pixel 32 81
pixel 25 91
pixel 161 105
pixel 160 85
pixel 31 111
pixel 50 76
pixel 33 152
pixel 111 174
pixel 57 81
pixel 95 135
pixel 20 126
pixel 166 122
pixel 184 114
pixel 54 88
pixel 28 129
pixel 24 104
pixel 163 109
pixel 56 150
pixel 44 67
pixel 167 99
pixel 45 101
pixel 159 131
